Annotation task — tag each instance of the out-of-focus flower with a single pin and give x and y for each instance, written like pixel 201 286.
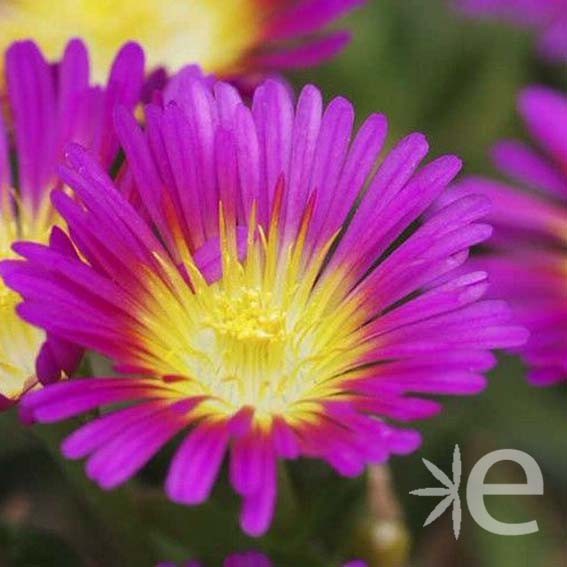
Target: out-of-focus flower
pixel 528 264
pixel 224 37
pixel 547 17
pixel 48 106
pixel 276 298
pixel 250 559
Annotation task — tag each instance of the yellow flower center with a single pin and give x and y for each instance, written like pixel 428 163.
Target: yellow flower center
pixel 270 334
pixel 248 316
pixel 215 34
pixel 19 341
pixel 19 346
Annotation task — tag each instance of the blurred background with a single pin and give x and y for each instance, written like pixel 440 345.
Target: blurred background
pixel 430 70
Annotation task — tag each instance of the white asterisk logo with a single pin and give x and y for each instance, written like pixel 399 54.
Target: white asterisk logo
pixel 450 490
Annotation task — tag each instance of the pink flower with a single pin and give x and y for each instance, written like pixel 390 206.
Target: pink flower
pixel 528 260
pixel 250 559
pixel 276 294
pixel 229 38
pixel 547 17
pixel 48 106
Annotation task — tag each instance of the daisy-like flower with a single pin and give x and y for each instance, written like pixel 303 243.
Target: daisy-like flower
pixel 225 37
pixel 528 263
pixel 547 17
pixel 276 299
pixel 48 106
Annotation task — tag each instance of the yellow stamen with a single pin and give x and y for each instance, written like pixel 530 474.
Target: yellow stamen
pixel 268 334
pixel 19 342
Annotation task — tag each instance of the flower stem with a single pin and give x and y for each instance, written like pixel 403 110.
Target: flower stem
pixel 382 537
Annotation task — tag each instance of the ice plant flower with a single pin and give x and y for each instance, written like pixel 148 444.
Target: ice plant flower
pixel 225 37
pixel 528 260
pixel 47 107
pixel 276 298
pixel 546 17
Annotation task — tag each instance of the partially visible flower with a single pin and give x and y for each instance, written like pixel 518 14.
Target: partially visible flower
pixel 279 297
pixel 225 37
pixel 547 17
pixel 48 106
pixel 250 559
pixel 528 260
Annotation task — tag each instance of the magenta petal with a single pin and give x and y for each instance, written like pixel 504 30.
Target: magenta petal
pixel 545 113
pixel 95 434
pixel 363 155
pixel 553 44
pixel 56 355
pixel 6 403
pixel 308 17
pixel 258 507
pixel 246 462
pixel 118 460
pixel 32 96
pixel 306 55
pixel 305 134
pixel 67 399
pixel 196 465
pixel 285 441
pixel 524 164
pixel 249 559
